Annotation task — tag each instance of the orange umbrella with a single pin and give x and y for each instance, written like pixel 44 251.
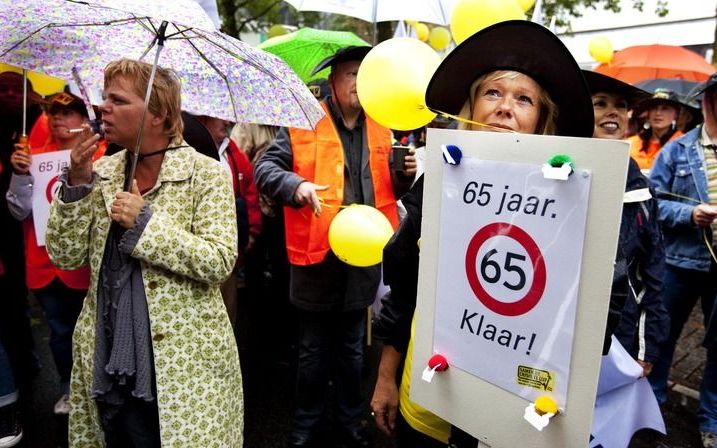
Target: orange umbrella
pixel 641 62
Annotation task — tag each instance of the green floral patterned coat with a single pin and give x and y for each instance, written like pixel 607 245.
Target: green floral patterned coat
pixel 186 250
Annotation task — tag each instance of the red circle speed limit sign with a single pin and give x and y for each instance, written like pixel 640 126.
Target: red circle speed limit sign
pixel 51 187
pixel 505 269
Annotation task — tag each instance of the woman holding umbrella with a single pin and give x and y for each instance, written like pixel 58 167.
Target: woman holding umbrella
pixel 513 76
pixel 663 111
pixel 156 361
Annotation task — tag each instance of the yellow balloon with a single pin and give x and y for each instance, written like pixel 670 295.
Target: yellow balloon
pixel 358 234
pixel 601 49
pixel 525 5
pixel 392 80
pixel 471 16
pixel 421 31
pixel 276 30
pixel 440 38
pixel 43 84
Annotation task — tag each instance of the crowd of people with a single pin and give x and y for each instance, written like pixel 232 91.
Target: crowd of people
pixel 150 251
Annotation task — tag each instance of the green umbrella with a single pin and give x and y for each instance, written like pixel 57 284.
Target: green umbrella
pixel 302 50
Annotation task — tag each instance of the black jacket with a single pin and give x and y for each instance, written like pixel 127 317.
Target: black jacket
pixel 643 321
pixel 400 273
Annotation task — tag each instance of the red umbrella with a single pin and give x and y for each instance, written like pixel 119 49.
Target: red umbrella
pixel 641 62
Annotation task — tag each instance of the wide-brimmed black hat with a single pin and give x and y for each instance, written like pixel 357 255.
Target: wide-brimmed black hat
pixel 525 47
pixel 597 83
pixel 700 88
pixel 345 54
pixel 663 96
pixel 198 137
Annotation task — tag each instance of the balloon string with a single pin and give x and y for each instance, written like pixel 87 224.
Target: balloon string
pixel 324 204
pixel 686 198
pixel 477 123
pixel 707 243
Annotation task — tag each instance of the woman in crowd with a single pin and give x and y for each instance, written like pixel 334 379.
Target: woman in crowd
pixel 663 110
pixel 491 82
pixel 639 265
pixel 59 292
pixel 156 361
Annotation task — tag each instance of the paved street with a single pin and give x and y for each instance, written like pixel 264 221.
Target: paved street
pixel 268 386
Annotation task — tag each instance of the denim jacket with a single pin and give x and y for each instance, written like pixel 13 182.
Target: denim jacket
pixel 680 170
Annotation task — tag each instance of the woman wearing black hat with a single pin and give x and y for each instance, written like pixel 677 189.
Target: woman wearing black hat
pixel 663 111
pixel 642 324
pixel 514 76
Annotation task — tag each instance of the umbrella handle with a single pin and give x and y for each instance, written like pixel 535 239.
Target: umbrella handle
pixel 24 104
pixel 160 37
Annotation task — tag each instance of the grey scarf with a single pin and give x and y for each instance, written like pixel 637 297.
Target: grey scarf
pixel 123 347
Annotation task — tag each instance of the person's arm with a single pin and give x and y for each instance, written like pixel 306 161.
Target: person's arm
pixel 67 239
pixel 384 402
pixel 275 178
pixel 401 181
pixel 19 193
pixel 19 196
pixel 672 212
pixel 273 171
pixel 393 323
pixel 653 324
pixel 400 271
pixel 206 253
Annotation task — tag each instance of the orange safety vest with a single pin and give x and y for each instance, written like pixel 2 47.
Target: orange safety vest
pixel 318 157
pixel 645 159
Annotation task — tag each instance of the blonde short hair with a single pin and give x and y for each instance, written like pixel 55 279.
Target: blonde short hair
pixel 165 98
pixel 548 109
pixel 254 139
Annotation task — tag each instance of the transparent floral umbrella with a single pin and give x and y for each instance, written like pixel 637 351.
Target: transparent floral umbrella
pixel 221 76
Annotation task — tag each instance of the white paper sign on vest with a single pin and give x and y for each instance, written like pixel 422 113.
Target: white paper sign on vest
pixel 45 170
pixel 510 247
pixel 514 282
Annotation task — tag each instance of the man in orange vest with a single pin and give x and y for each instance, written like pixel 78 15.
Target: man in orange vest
pixel 345 160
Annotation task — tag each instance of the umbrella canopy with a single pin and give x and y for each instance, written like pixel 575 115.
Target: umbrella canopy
pixel 679 86
pixel 221 76
pixel 431 11
pixel 302 50
pixel 642 62
pixel 187 13
pixel 43 84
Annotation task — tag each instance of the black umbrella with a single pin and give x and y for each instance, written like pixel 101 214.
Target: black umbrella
pixel 679 86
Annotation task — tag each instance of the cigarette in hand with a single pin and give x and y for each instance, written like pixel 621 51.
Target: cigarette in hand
pixel 75 130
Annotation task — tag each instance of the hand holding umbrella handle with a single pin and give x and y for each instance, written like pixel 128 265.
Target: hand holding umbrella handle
pixel 20 160
pixel 24 143
pixel 81 159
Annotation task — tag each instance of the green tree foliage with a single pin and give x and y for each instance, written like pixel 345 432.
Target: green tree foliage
pixel 239 16
pixel 564 10
pixel 258 15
